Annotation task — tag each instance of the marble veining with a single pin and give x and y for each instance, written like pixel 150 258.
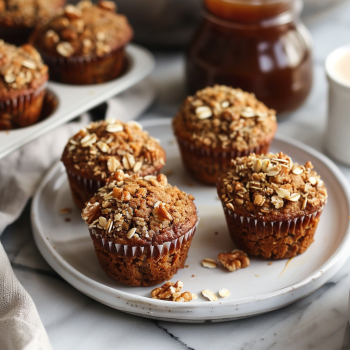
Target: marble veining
pixel 319 321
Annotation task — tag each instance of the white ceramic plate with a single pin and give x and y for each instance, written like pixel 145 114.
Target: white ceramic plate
pixel 76 99
pixel 259 288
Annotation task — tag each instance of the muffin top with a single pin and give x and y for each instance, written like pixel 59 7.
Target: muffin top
pixel 27 13
pixel 140 211
pixel 84 30
pixel 271 187
pixel 20 68
pixel 103 147
pixel 225 118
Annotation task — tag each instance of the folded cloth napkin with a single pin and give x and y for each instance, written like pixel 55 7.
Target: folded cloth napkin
pixel 20 173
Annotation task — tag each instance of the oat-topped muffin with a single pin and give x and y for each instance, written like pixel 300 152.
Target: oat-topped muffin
pixel 19 17
pixel 272 205
pixel 220 123
pixel 141 228
pixel 84 45
pixel 23 78
pixel 101 148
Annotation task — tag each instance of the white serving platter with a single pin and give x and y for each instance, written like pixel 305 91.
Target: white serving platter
pixel 67 246
pixel 74 100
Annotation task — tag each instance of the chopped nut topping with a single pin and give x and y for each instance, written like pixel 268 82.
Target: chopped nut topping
pixel 72 12
pixel 85 30
pixel 172 292
pixel 209 295
pixel 108 5
pixel 225 117
pixel 134 208
pixel 209 263
pixel 203 112
pixel 160 213
pixel 101 152
pixel 271 185
pixel 235 260
pixel 20 67
pixel 224 293
pixel 27 13
pixel 65 49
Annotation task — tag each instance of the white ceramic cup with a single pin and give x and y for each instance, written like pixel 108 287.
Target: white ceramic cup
pixel 338 128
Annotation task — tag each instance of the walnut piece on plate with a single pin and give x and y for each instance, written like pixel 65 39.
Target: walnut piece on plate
pixel 235 260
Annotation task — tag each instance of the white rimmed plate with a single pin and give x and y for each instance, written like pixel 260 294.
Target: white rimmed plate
pixel 67 246
pixel 76 99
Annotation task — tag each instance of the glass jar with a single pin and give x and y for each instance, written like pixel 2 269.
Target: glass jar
pixel 260 46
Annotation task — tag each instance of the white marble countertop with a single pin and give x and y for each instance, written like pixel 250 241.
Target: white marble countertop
pixel 74 321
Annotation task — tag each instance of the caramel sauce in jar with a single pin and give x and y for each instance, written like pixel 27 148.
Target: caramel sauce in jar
pixel 260 46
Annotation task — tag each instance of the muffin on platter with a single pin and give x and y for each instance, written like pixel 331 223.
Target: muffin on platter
pixel 141 227
pixel 272 205
pixel 23 79
pixel 18 18
pixel 85 44
pixel 101 148
pixel 218 124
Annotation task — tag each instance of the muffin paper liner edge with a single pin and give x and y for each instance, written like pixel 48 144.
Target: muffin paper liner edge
pixel 153 251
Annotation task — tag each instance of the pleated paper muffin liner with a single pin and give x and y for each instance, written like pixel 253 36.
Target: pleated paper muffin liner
pixel 83 189
pixel 206 164
pixel 84 70
pixel 149 251
pixel 23 110
pixel 254 235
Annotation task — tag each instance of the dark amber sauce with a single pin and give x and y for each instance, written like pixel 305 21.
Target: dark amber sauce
pixel 272 61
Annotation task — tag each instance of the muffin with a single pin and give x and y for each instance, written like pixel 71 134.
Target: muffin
pixel 23 79
pixel 84 45
pixel 19 17
pixel 220 123
pixel 272 205
pixel 97 151
pixel 141 228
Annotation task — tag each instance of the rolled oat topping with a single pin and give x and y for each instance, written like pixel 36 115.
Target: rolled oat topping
pixel 28 13
pixel 20 67
pixel 272 186
pixel 224 117
pixel 85 30
pixel 105 147
pixel 140 211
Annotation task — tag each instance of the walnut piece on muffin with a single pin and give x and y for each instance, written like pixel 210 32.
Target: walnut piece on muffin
pixel 141 227
pixel 23 76
pixel 220 123
pixel 102 148
pixel 272 205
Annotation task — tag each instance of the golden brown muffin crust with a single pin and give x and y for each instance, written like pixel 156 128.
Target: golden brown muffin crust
pixel 103 147
pixel 272 188
pixel 27 13
pixel 224 118
pixel 84 30
pixel 21 68
pixel 140 211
